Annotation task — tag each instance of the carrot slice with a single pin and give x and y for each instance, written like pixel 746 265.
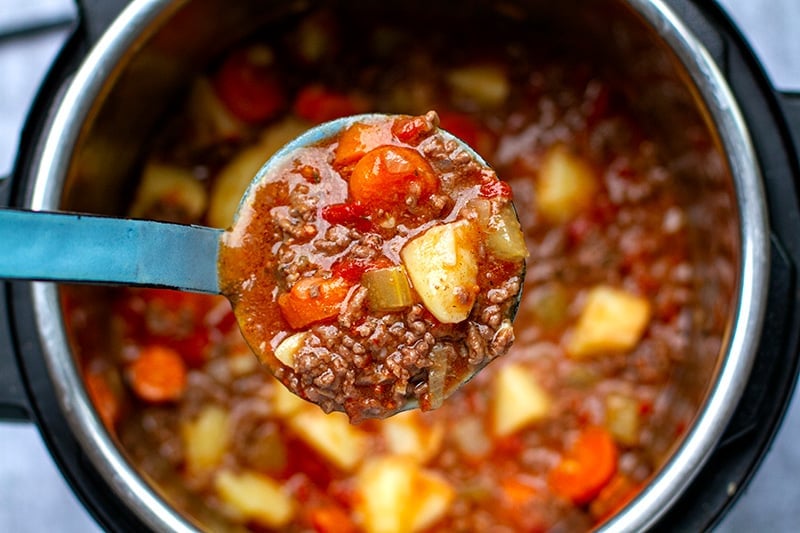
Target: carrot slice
pixel 158 375
pixel 331 519
pixel 312 300
pixel 104 398
pixel 586 468
pixel 385 176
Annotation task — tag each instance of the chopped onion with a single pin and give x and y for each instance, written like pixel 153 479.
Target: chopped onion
pixel 437 375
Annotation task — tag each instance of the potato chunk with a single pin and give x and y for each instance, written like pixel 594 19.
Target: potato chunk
pixel 289 346
pixel 406 434
pixel 612 320
pixel 395 495
pixel 566 185
pixel 486 85
pixel 255 497
pixel 169 191
pixel 205 438
pixel 443 267
pixel 331 435
pixel 518 400
pixel 234 178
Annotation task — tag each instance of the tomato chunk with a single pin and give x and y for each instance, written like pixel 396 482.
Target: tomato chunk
pixel 351 214
pixel 247 83
pixel 318 104
pixel 312 300
pixel 387 175
pixel 586 468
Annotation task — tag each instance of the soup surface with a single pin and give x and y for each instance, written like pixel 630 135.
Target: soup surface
pixel 557 435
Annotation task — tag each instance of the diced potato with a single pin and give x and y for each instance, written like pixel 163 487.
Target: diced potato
pixel 285 402
pixel 504 236
pixel 518 400
pixel 443 268
pixel 486 85
pixel 331 435
pixel 233 180
pixel 406 434
pixel 566 185
pixel 255 497
pixel 211 121
pixel 169 189
pixel 612 320
pixel 387 288
pixel 395 495
pixel 623 418
pixel 205 438
pixel 289 346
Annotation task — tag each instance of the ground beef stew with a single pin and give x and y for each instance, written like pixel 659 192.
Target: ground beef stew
pixel 396 257
pixel 558 434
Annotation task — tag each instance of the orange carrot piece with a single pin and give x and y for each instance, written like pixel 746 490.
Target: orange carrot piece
pixel 158 375
pixel 386 175
pixel 586 468
pixel 331 519
pixel 354 143
pixel 106 402
pixel 312 300
pixel 516 492
pixel 614 496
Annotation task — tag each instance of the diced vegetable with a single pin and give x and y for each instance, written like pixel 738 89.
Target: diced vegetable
pixel 211 121
pixel 387 288
pixel 331 435
pixel 504 236
pixel 331 519
pixel 623 418
pixel 158 374
pixel 614 496
pixel 234 178
pixel 443 267
pixel 549 304
pixel 586 467
pixel 312 300
pixel 355 142
pixel 517 492
pixel 486 85
pixel 519 400
pixel 105 393
pixel 318 104
pixel 386 176
pixel 248 84
pixel 395 495
pixel 612 320
pixel 289 347
pixel 566 185
pixel 406 434
pixel 169 192
pixel 255 497
pixel 350 214
pixel 205 438
pixel 437 376
pixel 285 402
pixel 472 437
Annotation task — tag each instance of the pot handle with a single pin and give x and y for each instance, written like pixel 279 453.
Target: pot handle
pixel 97 15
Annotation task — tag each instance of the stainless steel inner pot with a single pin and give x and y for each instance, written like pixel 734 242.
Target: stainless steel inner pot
pixel 106 113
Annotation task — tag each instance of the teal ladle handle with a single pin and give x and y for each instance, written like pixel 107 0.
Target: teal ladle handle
pixel 72 248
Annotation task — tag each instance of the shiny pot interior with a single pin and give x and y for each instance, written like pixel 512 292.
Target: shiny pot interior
pixel 140 67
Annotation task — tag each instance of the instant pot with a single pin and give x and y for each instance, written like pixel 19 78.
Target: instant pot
pixel 746 392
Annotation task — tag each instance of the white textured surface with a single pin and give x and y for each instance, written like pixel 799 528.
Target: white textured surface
pixel 35 498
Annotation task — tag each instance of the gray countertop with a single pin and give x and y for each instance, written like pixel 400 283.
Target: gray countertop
pixel 34 496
